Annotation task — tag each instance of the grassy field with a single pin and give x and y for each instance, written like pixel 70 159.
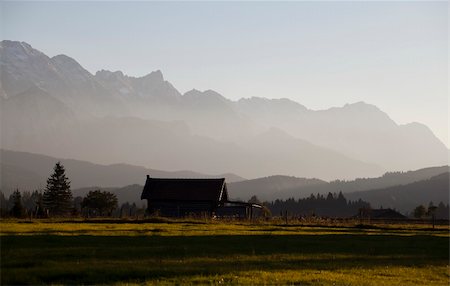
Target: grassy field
pixel 198 252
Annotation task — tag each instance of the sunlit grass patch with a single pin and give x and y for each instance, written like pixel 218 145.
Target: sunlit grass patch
pixel 194 252
pixel 356 276
pixel 198 227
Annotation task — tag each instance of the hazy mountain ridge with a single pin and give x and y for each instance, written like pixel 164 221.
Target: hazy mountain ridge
pixel 269 187
pixel 28 171
pixel 171 144
pixel 358 136
pixel 163 144
pixel 401 197
pixel 270 190
pixel 360 131
pixel 406 197
pixel 130 193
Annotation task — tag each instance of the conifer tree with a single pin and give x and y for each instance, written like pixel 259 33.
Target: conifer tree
pixel 57 195
pixel 17 209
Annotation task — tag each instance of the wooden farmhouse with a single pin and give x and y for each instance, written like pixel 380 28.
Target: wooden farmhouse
pixel 192 197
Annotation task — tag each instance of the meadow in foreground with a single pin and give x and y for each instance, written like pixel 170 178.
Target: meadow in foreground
pixel 192 252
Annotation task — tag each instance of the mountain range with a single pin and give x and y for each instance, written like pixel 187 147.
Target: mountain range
pixel 53 106
pixel 284 187
pixel 413 188
pixel 400 190
pixel 406 197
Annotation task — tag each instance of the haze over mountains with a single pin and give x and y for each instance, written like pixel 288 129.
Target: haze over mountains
pixel 284 187
pixel 400 190
pixel 408 196
pixel 54 106
pixel 28 172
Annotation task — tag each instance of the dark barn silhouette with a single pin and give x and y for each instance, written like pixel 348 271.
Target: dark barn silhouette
pixel 192 197
pixel 386 214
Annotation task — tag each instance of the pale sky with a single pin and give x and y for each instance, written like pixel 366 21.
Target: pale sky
pixel 320 54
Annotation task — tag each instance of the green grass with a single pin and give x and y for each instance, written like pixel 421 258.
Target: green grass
pixel 197 252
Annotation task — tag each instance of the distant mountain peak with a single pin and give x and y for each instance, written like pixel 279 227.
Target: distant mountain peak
pixel 67 62
pixel 64 58
pixel 70 70
pixel 417 125
pixel 156 76
pixel 16 44
pixel 422 131
pixel 211 92
pixel 195 93
pixel 19 50
pixel 360 105
pixel 364 111
pixel 192 92
pixel 357 131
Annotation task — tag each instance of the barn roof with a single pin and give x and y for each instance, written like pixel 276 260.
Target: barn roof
pixel 185 189
pixel 386 213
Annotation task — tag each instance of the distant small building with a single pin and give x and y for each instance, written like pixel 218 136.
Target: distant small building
pixel 386 214
pixel 381 214
pixel 241 210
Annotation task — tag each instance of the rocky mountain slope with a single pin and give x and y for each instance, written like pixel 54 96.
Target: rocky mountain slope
pixel 53 106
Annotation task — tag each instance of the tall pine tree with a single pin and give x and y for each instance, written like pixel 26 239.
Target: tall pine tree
pixel 57 195
pixel 17 209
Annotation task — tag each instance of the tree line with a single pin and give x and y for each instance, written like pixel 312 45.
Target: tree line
pixel 336 205
pixel 441 211
pixel 56 200
pixel 333 205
